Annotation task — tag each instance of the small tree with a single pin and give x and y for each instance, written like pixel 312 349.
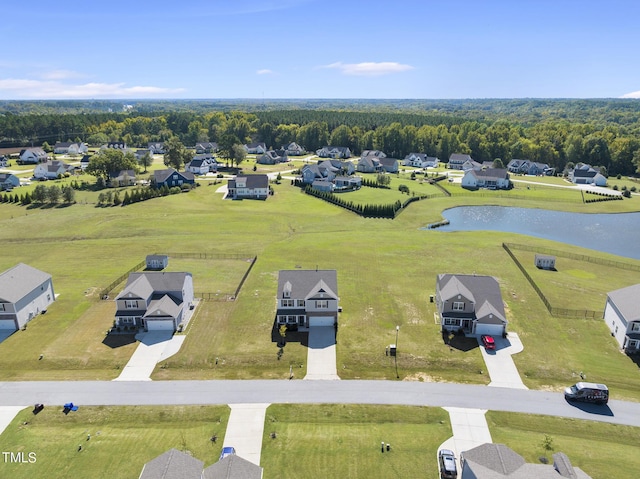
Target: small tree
pixel 68 195
pixel 282 330
pixel 383 179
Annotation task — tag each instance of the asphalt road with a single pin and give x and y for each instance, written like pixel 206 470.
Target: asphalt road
pixel 308 392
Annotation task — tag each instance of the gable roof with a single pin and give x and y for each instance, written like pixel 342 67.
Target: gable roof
pixel 232 467
pixel 376 153
pixel 173 464
pixel 309 283
pixel 20 280
pixel 459 158
pixel 161 176
pixel 251 181
pixel 497 173
pixel 627 301
pixel 484 291
pixel 142 285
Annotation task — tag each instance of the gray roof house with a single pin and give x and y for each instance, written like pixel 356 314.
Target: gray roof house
pixel 375 153
pixel 173 464
pixel 273 157
pixel 497 461
pixel 369 164
pixel 307 298
pixel 491 178
pixel 32 156
pixel 293 149
pixel 255 148
pixel 154 301
pixel 233 467
pixel 206 147
pixel 586 175
pixel 51 169
pixel 156 147
pixel 456 160
pixel 527 167
pixel 470 303
pixel 8 181
pixel 334 152
pixel 420 160
pixel 170 177
pixel 122 178
pixel 390 165
pixel 24 293
pixel 254 187
pixel 622 316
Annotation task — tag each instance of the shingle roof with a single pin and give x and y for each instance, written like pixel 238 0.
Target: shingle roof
pixel 232 467
pixel 173 464
pixel 20 280
pixel 484 291
pixel 160 176
pixel 306 282
pixel 498 173
pixel 627 301
pixel 251 181
pixel 142 285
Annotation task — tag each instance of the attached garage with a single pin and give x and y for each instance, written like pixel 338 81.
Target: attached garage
pixel 160 325
pixel 321 321
pixel 8 324
pixel 489 329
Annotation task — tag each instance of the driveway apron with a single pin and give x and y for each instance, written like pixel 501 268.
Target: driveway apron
pixel 500 365
pixel 153 348
pixel 321 354
pixel 245 430
pixel 469 428
pixel 8 414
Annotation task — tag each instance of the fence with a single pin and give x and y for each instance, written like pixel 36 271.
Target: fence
pixel 553 311
pixel 104 294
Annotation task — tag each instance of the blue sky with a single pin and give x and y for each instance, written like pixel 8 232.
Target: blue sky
pixel 319 49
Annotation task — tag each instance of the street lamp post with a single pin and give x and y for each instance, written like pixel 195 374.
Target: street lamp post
pixel 396 356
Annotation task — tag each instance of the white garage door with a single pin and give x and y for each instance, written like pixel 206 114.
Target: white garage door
pixel 320 321
pixel 160 325
pixel 490 329
pixel 7 324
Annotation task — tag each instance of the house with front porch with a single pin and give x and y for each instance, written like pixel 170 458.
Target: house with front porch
pixel 321 172
pixel 154 301
pixel 622 315
pixel 369 164
pixel 457 160
pixel 293 149
pixel 420 160
pixel 202 164
pixel 255 187
pixel 490 178
pixel 307 298
pixel 471 304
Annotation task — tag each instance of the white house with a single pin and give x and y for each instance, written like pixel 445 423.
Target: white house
pixel 50 170
pixel 68 148
pixel 622 315
pixel 202 164
pixel 249 187
pixel 586 175
pixel 24 293
pixel 32 156
pixel 257 148
pixel 420 160
pixel 492 178
pixel 307 298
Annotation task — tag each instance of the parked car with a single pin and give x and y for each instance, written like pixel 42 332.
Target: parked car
pixel 447 462
pixel 587 392
pixel 488 341
pixel 227 451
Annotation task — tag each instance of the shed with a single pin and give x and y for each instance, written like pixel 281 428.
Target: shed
pixel 544 261
pixel 157 261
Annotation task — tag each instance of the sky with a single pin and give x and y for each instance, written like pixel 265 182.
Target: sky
pixel 271 49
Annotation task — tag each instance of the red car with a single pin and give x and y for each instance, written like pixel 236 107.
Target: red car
pixel 488 342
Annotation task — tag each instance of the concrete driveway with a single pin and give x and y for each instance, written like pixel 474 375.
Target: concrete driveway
pixel 321 354
pixel 245 429
pixel 7 415
pixel 500 365
pixel 470 430
pixel 154 347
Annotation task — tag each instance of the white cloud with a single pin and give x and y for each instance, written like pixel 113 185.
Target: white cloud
pixel 265 71
pixel 61 75
pixel 370 68
pixel 25 88
pixel 633 94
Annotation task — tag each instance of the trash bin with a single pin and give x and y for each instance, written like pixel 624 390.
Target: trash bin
pixel 392 350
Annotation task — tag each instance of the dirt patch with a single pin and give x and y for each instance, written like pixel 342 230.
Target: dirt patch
pixel 423 378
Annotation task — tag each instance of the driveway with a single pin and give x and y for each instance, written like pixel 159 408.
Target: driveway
pixel 321 354
pixel 470 430
pixel 7 415
pixel 500 365
pixel 245 429
pixel 154 347
pixel 5 333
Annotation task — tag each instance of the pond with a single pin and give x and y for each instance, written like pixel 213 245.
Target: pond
pixel 617 233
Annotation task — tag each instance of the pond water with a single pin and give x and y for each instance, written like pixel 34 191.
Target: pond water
pixel 617 233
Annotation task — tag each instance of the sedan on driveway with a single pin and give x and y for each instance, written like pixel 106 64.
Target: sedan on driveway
pixel 488 341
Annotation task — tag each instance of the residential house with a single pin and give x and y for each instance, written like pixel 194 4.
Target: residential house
pixel 293 149
pixel 24 293
pixel 202 164
pixel 248 187
pixel 545 261
pixel 118 145
pixel 4 162
pixel 491 178
pixel 389 165
pixel 470 303
pixel 173 464
pixel 338 166
pixel 369 164
pixel 527 167
pixel 155 301
pixel 497 461
pixel 586 175
pixel 68 148
pixel 8 181
pixel 32 156
pixel 457 160
pixel 170 177
pixel 233 467
pixel 322 185
pixel 420 160
pixel 51 170
pixel 307 298
pixel 156 147
pixel 321 171
pixel 140 153
pixel 335 152
pixel 273 157
pixel 347 182
pixel 206 147
pixel 122 178
pixel 374 153
pixel 622 315
pixel 157 261
pixel 256 148
pixel 84 162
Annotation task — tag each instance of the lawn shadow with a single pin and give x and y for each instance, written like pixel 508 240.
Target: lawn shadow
pixel 292 336
pixel 600 409
pixel 635 358
pixel 118 340
pixel 459 341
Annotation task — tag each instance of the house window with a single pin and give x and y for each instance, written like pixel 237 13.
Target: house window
pixel 635 327
pixel 451 322
pixel 48 297
pixel 282 319
pixel 2 307
pixel 322 304
pixel 458 306
pixel 301 320
pixel 130 304
pixel 292 319
pixel 300 303
pixel 287 303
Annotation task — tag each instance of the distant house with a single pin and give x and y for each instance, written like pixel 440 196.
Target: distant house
pixel 497 461
pixel 32 156
pixel 8 181
pixel 122 178
pixel 202 164
pixel 68 148
pixel 470 303
pixel 369 164
pixel 336 152
pixel 389 165
pixel 117 145
pixel 157 261
pixel 249 187
pixel 273 157
pixel 338 166
pixel 293 149
pixel 321 172
pixel 457 160
pixel 545 261
pixel 307 298
pixel 24 293
pixel 170 177
pixel 140 153
pixel 84 162
pixel 322 185
pixel 257 148
pixel 622 315
pixel 420 160
pixel 51 170
pixel 373 153
pixel 206 147
pixel 173 464
pixel 347 182
pixel 154 301
pixel 526 167
pixel 3 161
pixel 586 175
pixel 156 147
pixel 491 178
